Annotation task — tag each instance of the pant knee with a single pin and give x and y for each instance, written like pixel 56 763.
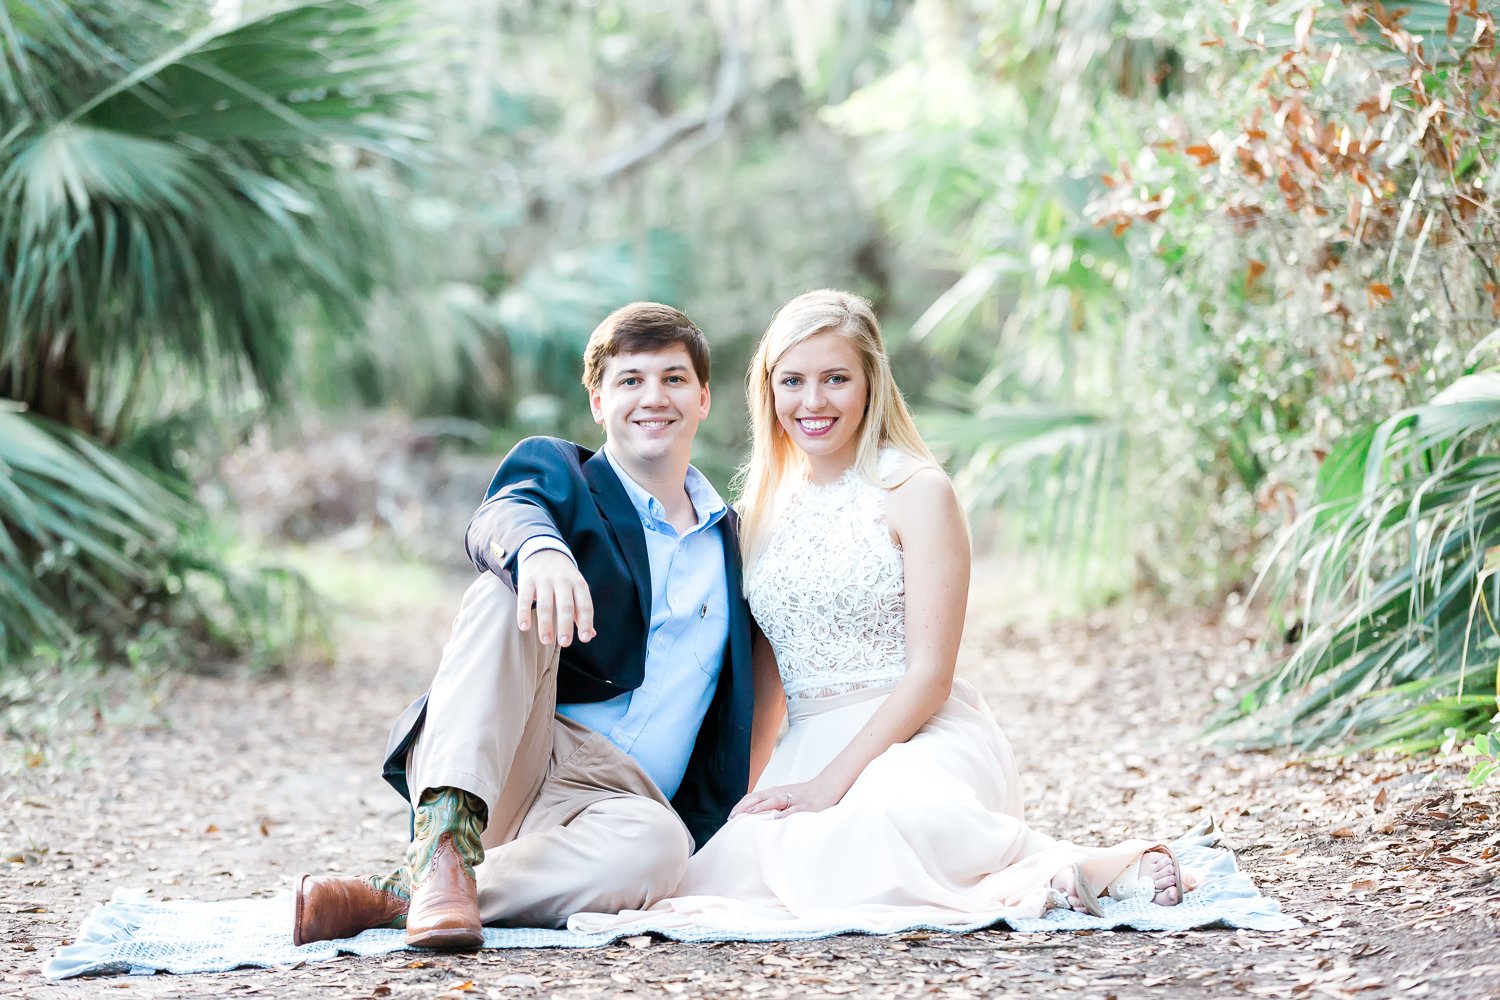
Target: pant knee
pixel 649 864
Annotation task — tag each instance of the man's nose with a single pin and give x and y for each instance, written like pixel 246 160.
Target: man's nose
pixel 656 395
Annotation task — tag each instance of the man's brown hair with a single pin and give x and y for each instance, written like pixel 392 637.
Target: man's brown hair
pixel 642 328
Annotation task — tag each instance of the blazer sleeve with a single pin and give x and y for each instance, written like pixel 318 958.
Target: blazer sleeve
pixel 531 495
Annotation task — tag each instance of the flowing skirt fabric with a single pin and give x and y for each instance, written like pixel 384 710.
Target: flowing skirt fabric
pixel 930 833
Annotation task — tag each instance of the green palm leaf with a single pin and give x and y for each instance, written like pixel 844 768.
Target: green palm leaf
pixel 74 520
pixel 1399 593
pixel 1057 476
pixel 184 208
pixel 183 196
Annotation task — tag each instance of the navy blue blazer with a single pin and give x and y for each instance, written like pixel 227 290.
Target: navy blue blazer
pixel 547 486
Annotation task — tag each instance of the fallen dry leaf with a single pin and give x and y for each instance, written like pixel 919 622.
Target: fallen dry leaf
pixel 1378 905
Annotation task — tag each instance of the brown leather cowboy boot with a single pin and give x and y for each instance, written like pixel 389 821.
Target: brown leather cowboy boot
pixel 444 911
pixel 340 906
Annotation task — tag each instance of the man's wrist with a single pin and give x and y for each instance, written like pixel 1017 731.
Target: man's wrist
pixel 542 543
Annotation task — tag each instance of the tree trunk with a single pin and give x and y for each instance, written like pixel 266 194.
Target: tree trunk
pixel 55 387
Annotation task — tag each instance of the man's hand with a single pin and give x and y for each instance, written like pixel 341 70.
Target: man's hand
pixel 549 581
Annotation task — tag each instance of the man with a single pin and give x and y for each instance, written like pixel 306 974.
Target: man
pixel 551 776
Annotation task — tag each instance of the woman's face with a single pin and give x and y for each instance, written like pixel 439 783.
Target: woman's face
pixel 820 391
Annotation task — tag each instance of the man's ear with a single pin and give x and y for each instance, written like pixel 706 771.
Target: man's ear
pixel 703 404
pixel 596 406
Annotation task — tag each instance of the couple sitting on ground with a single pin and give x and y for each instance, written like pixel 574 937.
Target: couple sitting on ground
pixel 617 678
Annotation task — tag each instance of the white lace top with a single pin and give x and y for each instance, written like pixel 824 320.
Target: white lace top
pixel 829 589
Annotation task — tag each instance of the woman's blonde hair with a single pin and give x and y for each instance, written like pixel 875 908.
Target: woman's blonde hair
pixel 775 462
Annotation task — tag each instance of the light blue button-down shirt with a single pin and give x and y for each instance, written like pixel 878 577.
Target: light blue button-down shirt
pixel 657 723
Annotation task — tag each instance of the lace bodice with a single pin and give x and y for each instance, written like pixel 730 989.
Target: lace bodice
pixel 829 589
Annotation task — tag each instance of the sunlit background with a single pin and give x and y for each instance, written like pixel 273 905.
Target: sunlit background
pixel 1189 295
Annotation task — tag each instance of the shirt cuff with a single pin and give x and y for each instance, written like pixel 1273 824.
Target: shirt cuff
pixel 541 543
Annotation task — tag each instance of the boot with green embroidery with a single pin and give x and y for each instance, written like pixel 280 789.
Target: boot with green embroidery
pixel 445 848
pixel 341 906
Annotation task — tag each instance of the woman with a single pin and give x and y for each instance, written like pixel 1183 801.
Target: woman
pixel 893 799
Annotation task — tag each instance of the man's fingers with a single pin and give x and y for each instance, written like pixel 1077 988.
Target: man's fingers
pixel 584 612
pixel 564 619
pixel 544 616
pixel 559 595
pixel 525 594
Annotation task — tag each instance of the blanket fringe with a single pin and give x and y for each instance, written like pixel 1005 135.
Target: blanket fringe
pixel 133 934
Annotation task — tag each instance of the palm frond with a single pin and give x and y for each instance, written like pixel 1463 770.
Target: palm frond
pixel 77 526
pixel 319 70
pixel 90 542
pixel 179 208
pixel 1057 477
pixel 1398 579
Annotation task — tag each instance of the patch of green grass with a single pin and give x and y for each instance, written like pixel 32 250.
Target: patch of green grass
pixel 370 580
pixel 57 696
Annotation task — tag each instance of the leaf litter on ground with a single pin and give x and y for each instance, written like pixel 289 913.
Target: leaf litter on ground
pixel 1390 862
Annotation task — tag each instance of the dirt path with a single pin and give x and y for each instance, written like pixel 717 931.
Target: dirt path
pixel 1393 868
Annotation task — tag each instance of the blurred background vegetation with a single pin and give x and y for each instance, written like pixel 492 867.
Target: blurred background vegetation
pixel 1198 300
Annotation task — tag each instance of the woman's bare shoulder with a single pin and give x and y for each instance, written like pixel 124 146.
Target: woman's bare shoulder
pixel 926 490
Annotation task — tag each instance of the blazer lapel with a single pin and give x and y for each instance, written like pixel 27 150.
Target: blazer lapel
pixel 739 611
pixel 624 523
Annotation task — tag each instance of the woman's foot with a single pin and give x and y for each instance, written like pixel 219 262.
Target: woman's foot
pixel 1156 872
pixel 1160 867
pixel 1065 882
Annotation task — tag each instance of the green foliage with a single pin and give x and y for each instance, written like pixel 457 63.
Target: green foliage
pixel 182 195
pixel 1201 255
pixel 170 199
pixel 1062 469
pixel 1397 566
pixel 90 543
pixel 79 529
pixel 1486 751
pixel 985 151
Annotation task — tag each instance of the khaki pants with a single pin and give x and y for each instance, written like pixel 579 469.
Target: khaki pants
pixel 574 823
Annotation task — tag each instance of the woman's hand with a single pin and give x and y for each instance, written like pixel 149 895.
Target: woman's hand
pixel 783 800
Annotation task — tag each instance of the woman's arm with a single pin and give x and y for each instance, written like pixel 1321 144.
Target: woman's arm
pixel 925 518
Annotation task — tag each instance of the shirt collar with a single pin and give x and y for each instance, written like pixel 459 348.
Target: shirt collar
pixel 707 503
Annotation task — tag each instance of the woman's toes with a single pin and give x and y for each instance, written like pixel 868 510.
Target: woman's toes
pixel 1158 867
pixel 1064 883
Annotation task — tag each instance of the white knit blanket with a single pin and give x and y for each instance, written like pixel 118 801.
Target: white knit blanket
pixel 134 934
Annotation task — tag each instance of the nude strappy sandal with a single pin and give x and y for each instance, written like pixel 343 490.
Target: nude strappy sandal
pixel 1129 884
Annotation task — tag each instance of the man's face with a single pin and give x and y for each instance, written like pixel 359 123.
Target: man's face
pixel 650 405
